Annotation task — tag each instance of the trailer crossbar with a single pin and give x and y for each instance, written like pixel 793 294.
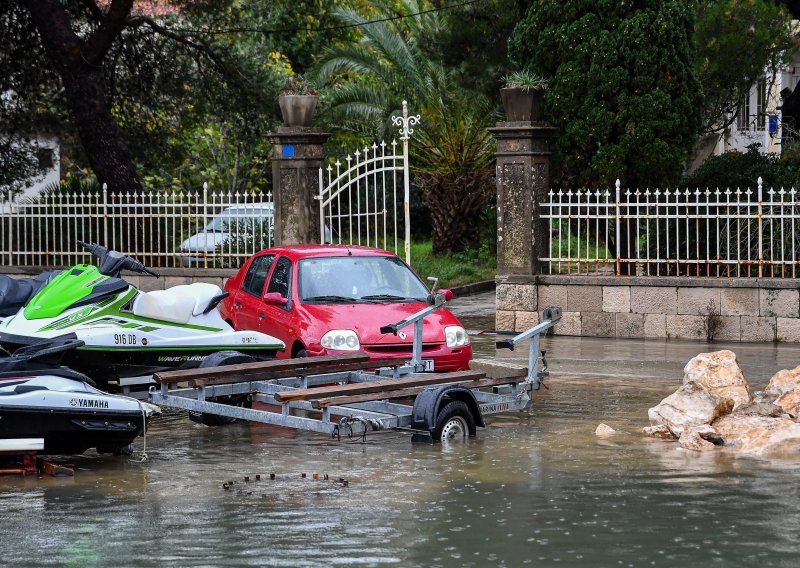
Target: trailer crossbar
pixel 275 368
pixel 408 392
pixel 413 380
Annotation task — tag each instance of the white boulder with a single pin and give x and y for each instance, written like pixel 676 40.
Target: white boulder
pixel 691 405
pixel 758 435
pixel 604 430
pixel 719 373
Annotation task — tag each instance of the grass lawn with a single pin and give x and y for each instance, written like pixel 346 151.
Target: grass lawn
pixel 453 269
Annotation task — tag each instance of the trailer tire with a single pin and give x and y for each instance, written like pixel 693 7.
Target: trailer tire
pixel 454 422
pixel 219 359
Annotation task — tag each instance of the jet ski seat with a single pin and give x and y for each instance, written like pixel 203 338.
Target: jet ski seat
pixel 15 293
pixel 177 304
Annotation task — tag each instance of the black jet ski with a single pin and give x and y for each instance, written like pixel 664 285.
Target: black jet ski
pixel 64 408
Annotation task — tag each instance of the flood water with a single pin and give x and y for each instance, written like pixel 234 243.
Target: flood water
pixel 535 488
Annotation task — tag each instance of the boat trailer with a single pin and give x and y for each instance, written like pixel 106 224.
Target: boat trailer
pixel 350 395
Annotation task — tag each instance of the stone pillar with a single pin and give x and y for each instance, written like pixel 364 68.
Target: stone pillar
pixel 523 180
pixel 296 159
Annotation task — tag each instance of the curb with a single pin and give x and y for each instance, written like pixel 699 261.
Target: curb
pixel 474 288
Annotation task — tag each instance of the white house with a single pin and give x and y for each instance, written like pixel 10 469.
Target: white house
pixel 48 152
pixel 761 118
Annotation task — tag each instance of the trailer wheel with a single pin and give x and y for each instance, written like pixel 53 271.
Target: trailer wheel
pixel 454 422
pixel 219 359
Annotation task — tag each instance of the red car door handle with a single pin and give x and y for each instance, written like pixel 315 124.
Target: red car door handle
pixel 261 316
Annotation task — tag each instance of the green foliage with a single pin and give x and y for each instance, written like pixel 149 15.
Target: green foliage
pixel 452 162
pixel 756 35
pixel 742 170
pixel 366 80
pixel 28 99
pixel 472 265
pixel 301 29
pixel 18 164
pixel 214 154
pixel 74 184
pixel 297 85
pixel 452 152
pixel 525 80
pixel 473 44
pixel 570 242
pixel 623 89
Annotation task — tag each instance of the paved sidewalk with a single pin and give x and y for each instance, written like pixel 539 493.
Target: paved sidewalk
pixel 651 358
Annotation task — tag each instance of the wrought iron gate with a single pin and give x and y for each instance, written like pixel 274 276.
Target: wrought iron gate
pixel 360 203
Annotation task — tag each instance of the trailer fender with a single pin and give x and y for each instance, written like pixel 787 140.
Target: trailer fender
pixel 431 400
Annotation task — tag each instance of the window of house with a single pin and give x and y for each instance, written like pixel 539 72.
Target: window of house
pixel 761 103
pixel 257 275
pixel 743 118
pixel 46 159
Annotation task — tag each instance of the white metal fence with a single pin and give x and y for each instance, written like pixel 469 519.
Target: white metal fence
pixel 680 232
pixel 160 229
pixel 363 202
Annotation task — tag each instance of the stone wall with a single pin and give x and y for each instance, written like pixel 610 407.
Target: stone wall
pixel 169 276
pixel 744 309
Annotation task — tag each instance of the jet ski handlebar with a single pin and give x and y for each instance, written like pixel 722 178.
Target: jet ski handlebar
pixel 111 262
pixel 95 249
pixel 136 266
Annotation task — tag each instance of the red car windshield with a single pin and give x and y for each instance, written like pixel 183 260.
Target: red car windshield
pixel 358 279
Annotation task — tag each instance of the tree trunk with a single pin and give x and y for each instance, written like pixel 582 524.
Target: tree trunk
pixel 455 205
pixel 108 155
pixel 79 64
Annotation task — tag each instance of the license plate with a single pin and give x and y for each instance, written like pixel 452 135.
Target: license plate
pixel 428 364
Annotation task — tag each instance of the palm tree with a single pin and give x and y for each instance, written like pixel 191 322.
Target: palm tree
pixel 452 157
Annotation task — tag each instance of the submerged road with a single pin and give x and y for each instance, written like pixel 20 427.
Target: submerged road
pixel 628 358
pixel 534 488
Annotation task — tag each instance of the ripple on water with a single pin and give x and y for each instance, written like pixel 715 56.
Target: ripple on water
pixel 533 488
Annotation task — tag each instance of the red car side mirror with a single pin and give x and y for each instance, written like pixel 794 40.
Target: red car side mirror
pixel 275 299
pixel 448 294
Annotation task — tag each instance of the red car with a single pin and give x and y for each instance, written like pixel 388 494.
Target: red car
pixel 332 299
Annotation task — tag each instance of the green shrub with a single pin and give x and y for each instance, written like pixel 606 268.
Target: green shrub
pixel 742 169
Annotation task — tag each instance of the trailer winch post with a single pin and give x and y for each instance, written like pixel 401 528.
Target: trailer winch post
pixel 550 317
pixel 435 301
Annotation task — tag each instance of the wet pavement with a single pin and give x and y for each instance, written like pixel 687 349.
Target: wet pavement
pixel 534 488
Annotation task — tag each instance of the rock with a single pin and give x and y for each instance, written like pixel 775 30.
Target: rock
pixel 605 430
pixel 758 408
pixel 719 373
pixel 790 402
pixel 758 435
pixel 762 396
pixel 692 439
pixel 659 431
pixel 784 381
pixel 707 432
pixel 784 388
pixel 691 405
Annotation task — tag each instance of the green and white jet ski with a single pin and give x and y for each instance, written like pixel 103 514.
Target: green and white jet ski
pixel 121 331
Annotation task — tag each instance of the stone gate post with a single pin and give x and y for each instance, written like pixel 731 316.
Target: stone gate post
pixel 523 180
pixel 296 159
